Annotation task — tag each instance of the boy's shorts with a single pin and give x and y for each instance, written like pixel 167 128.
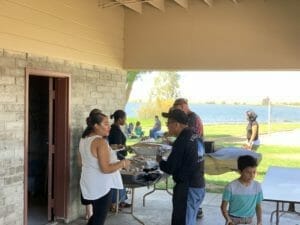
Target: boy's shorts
pixel 241 220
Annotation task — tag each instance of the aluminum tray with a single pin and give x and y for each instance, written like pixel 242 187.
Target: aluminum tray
pixel 151 149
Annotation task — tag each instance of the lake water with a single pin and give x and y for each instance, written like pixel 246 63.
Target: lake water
pixel 215 113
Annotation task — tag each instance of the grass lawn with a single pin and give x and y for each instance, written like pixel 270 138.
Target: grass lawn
pixel 271 156
pixel 233 135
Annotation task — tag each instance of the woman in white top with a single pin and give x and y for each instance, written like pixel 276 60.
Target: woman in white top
pixel 100 166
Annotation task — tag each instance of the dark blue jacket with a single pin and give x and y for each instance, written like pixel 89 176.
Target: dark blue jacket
pixel 183 163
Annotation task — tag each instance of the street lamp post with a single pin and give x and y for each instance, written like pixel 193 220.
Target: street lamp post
pixel 269 116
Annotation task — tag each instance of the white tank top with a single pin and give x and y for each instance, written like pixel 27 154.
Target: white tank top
pixel 93 182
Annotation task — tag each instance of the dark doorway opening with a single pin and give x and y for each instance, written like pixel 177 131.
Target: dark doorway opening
pixel 38 150
pixel 47 141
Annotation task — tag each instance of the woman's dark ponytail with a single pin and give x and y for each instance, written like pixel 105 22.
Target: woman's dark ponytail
pixel 118 114
pixel 96 117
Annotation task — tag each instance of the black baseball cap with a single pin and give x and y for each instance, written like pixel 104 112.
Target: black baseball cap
pixel 176 114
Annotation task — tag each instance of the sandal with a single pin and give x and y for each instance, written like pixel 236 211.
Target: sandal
pixel 113 208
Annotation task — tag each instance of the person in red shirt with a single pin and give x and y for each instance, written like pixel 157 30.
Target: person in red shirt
pixel 194 121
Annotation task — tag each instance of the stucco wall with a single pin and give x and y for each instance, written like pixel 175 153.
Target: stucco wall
pixel 252 34
pixel 77 30
pixel 91 86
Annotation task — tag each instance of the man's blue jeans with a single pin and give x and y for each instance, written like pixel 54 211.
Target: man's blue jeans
pixel 195 198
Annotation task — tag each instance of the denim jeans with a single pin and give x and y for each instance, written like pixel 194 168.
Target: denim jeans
pixel 122 195
pixel 195 198
pixel 153 133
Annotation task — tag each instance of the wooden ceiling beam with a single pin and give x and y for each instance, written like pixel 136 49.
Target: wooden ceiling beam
pixel 209 2
pixel 135 5
pixel 182 3
pixel 159 4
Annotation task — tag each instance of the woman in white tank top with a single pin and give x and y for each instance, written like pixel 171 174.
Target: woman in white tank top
pixel 100 166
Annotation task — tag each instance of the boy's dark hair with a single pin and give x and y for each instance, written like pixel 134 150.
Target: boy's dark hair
pixel 246 161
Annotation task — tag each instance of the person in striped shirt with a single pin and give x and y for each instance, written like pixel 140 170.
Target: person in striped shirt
pixel 242 197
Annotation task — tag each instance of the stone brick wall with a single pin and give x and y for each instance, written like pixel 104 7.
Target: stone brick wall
pixel 91 87
pixel 11 137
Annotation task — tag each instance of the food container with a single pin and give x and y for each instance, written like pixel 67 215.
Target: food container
pixel 141 179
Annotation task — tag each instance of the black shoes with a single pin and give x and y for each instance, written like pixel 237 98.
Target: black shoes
pixel 200 213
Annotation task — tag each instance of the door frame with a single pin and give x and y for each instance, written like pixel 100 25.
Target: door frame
pixel 51 74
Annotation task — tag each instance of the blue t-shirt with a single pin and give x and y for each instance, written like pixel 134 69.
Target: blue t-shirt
pixel 242 199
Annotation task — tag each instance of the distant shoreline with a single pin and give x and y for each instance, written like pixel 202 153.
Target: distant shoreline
pixel 295 104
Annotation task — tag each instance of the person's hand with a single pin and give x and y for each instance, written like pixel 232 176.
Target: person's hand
pixel 246 146
pixel 126 163
pixel 120 146
pixel 229 222
pixel 259 223
pixel 116 146
pixel 158 158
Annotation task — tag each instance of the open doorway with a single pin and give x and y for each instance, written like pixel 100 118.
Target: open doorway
pixel 38 150
pixel 46 147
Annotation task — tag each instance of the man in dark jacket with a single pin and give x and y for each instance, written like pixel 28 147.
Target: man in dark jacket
pixel 186 167
pixel 195 123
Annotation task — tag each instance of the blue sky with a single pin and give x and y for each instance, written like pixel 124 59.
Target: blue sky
pixel 229 86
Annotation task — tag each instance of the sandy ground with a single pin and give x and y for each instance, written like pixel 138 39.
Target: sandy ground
pixel 286 138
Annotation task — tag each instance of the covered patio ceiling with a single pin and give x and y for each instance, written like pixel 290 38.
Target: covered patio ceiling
pixel 158 34
pixel 213 35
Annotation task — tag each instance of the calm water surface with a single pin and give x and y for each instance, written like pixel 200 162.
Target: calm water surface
pixel 218 113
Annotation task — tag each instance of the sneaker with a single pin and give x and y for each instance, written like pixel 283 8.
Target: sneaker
pixel 200 213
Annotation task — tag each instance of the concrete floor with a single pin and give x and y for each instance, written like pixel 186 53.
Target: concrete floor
pixel 37 210
pixel 158 208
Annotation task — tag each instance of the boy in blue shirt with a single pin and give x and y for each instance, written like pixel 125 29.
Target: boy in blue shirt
pixel 243 195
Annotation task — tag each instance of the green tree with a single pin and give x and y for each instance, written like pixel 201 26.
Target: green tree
pixel 165 86
pixel 163 93
pixel 131 77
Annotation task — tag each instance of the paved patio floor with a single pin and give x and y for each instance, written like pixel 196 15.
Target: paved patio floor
pixel 157 211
